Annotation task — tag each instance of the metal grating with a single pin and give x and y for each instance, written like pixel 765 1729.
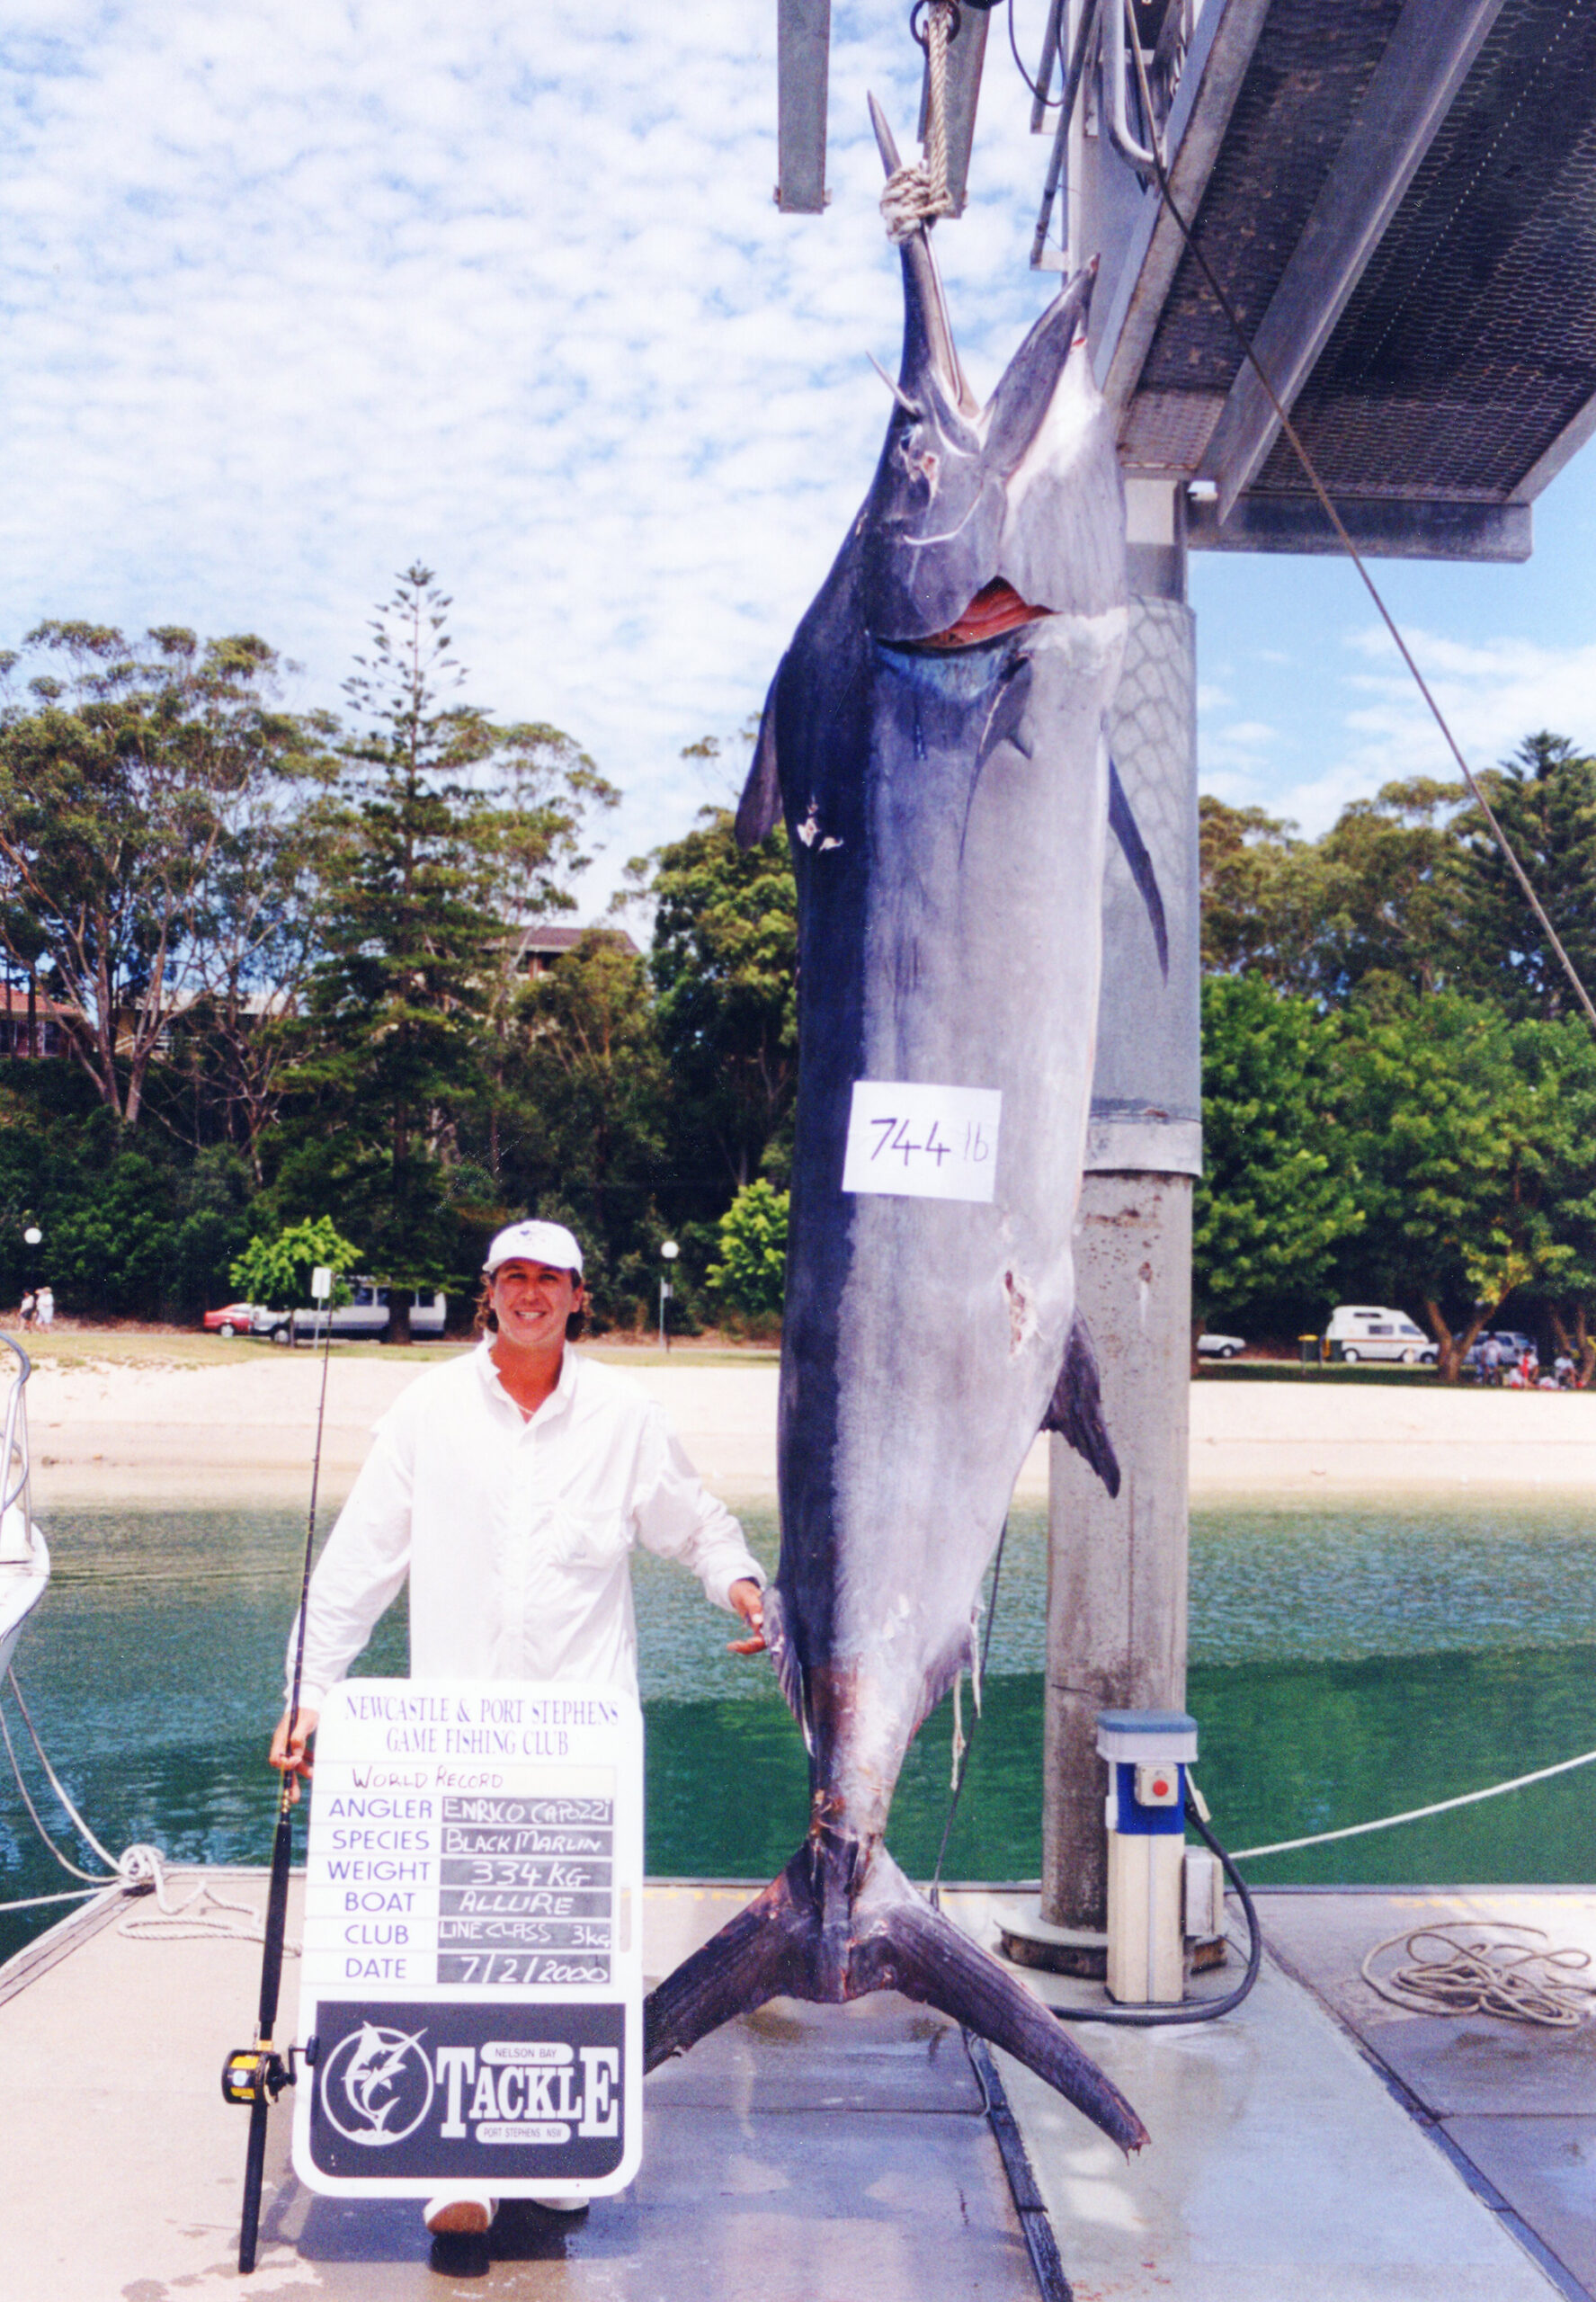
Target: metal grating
pixel 1309 72
pixel 1471 342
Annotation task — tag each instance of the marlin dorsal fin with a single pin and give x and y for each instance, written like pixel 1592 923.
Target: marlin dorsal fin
pixel 1075 1408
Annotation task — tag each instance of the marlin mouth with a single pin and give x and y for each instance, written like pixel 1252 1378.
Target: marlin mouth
pixel 996 607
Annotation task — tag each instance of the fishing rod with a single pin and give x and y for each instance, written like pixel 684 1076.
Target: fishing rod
pixel 255 2075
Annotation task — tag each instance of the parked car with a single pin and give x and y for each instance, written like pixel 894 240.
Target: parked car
pixel 1366 1331
pixel 233 1319
pixel 1511 1347
pixel 364 1317
pixel 1220 1347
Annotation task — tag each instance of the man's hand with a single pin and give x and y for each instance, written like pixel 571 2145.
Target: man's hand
pixel 291 1755
pixel 748 1600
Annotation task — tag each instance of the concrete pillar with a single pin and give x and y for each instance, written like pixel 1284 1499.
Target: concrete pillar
pixel 1116 1568
pixel 1117 1582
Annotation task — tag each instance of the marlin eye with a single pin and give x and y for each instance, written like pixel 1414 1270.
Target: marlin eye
pixel 916 461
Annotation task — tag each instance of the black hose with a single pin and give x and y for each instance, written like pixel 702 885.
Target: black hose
pixel 1202 2010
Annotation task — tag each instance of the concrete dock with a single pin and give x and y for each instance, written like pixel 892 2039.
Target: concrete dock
pixel 1316 2141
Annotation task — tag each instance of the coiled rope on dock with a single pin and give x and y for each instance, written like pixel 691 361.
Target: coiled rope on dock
pixel 139 1870
pixel 1477 1975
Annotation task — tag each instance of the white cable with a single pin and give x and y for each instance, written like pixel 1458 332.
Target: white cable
pixel 1415 1814
pixel 137 1868
pixel 55 1784
pixel 65 1862
pixel 73 1895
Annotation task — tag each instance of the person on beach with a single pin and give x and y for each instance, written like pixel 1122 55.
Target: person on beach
pixel 27 1311
pixel 509 1485
pixel 46 1307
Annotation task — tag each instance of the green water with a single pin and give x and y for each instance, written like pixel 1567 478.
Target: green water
pixel 1345 1664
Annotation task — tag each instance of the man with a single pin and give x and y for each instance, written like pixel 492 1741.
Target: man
pixel 509 1485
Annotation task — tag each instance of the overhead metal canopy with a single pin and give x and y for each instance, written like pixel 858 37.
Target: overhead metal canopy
pixel 1399 196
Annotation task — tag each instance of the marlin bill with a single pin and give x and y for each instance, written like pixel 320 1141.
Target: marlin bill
pixel 934 738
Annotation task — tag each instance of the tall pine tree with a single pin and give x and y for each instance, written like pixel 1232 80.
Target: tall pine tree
pixel 452 830
pixel 1545 799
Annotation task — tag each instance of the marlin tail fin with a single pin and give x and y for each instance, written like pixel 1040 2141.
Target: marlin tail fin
pixel 842 1922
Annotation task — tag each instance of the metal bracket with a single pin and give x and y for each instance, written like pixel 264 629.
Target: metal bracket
pixel 1118 64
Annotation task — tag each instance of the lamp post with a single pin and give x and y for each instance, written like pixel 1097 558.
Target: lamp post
pixel 33 1239
pixel 670 1250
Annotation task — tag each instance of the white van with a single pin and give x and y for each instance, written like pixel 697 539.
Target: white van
pixel 1363 1331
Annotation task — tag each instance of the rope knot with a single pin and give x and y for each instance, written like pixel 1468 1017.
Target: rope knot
pixel 142 1866
pixel 916 195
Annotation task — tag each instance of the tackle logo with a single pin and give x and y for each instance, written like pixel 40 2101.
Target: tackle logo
pixel 443 2089
pixel 377 2085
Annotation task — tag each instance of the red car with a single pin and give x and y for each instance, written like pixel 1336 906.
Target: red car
pixel 234 1319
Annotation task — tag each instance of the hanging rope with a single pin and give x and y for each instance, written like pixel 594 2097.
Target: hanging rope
pixel 916 195
pixel 1475 1975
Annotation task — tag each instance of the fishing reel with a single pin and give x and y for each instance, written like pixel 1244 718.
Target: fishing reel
pixel 257 2073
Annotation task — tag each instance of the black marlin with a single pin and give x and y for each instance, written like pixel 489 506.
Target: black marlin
pixel 934 735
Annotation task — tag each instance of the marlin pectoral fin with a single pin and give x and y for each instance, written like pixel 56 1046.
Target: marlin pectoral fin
pixel 1075 1409
pixel 784 1660
pixel 760 803
pixel 1123 825
pixel 1007 714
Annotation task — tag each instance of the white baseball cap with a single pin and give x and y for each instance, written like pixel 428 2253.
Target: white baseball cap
pixel 548 1243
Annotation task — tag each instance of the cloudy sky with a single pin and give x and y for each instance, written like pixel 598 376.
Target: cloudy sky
pixel 292 296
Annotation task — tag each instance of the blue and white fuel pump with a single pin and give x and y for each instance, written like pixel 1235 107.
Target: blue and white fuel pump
pixel 1148 1753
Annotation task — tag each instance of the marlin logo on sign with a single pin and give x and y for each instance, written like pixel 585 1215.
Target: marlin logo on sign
pixel 377 2085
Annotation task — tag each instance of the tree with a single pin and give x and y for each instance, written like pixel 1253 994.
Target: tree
pixel 1545 799
pixel 1388 893
pixel 751 1275
pixel 585 1101
pixel 1369 908
pixel 1279 1195
pixel 232 1040
pixel 1471 1133
pixel 124 775
pixel 279 1270
pixel 725 964
pixel 1251 869
pixel 447 822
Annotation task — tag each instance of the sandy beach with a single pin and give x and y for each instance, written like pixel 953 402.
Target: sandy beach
pixel 244 1429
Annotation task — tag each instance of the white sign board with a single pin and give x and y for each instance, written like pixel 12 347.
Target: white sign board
pixel 912 1141
pixel 473 1963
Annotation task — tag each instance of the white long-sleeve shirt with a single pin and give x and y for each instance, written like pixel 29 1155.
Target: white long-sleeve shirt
pixel 515 1532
